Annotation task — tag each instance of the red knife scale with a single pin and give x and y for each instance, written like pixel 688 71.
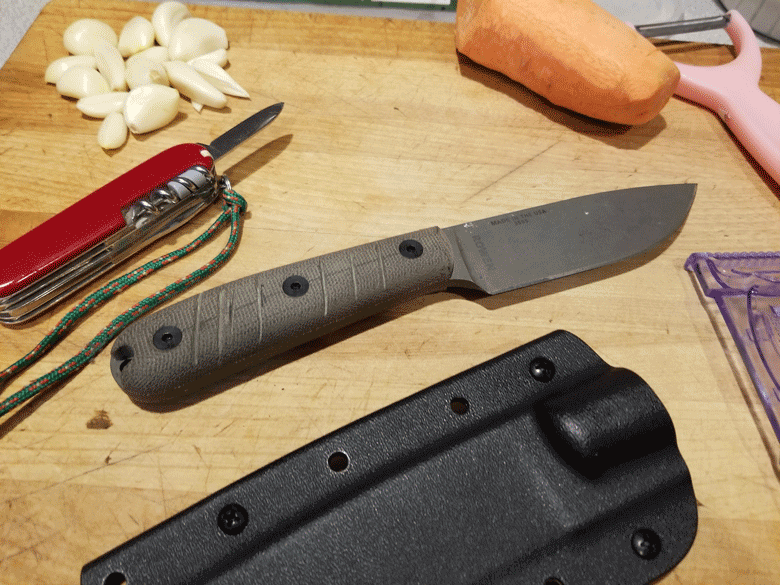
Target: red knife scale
pixel 92 219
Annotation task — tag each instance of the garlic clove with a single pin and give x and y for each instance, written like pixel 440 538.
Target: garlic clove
pixel 198 107
pixel 79 81
pixel 220 57
pixel 156 54
pixel 136 36
pixel 219 78
pixel 113 131
pixel 191 84
pixel 166 17
pixel 143 71
pixel 102 104
pixel 111 65
pixel 150 107
pixel 80 36
pixel 194 37
pixel 58 66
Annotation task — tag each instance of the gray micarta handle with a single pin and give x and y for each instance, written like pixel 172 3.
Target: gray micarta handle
pixel 161 357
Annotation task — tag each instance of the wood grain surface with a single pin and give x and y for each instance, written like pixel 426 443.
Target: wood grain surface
pixel 385 130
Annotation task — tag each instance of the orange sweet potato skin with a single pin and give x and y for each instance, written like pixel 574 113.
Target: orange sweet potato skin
pixel 572 52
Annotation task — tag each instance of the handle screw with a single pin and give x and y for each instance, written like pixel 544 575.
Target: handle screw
pixel 410 249
pixel 232 519
pixel 167 337
pixel 295 286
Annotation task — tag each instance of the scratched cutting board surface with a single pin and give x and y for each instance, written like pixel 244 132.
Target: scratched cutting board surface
pixel 385 130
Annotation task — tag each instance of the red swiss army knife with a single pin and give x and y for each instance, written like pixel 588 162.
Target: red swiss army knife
pixel 109 225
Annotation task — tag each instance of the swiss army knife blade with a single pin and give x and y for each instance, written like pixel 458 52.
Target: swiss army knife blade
pixel 65 253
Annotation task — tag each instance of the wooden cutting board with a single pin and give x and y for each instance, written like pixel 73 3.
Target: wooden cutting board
pixel 385 130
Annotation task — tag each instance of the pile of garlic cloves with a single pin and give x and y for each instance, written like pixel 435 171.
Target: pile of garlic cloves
pixel 134 80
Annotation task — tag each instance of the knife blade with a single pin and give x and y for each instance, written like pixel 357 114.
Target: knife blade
pixel 162 358
pixel 223 144
pixel 71 249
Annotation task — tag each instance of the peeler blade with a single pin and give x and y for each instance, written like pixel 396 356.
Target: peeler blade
pixel 663 29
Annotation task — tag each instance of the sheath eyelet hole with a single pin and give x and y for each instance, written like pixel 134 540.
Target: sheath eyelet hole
pixel 459 405
pixel 115 579
pixel 338 461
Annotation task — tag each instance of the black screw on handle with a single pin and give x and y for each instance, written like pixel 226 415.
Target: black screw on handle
pixel 410 249
pixel 167 337
pixel 295 286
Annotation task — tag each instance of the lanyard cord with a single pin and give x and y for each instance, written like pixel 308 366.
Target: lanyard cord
pixel 232 207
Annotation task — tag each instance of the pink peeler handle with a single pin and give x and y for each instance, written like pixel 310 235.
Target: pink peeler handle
pixel 732 92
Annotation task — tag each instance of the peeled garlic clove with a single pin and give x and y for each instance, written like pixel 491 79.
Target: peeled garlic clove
pixel 57 67
pixel 194 37
pixel 136 36
pixel 219 57
pixel 150 107
pixel 102 104
pixel 142 71
pixel 166 17
pixel 219 78
pixel 80 37
pixel 156 54
pixel 198 107
pixel 113 131
pixel 79 81
pixel 191 84
pixel 111 65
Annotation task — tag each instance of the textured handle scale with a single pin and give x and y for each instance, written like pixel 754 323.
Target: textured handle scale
pixel 161 358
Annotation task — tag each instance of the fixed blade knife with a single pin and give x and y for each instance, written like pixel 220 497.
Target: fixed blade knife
pixel 162 358
pixel 71 249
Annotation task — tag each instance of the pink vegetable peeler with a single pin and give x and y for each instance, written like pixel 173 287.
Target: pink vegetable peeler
pixel 731 90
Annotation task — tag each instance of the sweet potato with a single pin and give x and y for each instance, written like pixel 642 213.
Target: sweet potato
pixel 572 52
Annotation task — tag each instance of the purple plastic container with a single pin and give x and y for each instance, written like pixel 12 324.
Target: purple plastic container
pixel 746 289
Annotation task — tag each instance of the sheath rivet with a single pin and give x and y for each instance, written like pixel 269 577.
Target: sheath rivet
pixel 542 369
pixel 232 519
pixel 167 337
pixel 295 286
pixel 410 249
pixel 646 543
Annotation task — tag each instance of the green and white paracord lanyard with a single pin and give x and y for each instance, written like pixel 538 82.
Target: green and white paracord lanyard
pixel 233 205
